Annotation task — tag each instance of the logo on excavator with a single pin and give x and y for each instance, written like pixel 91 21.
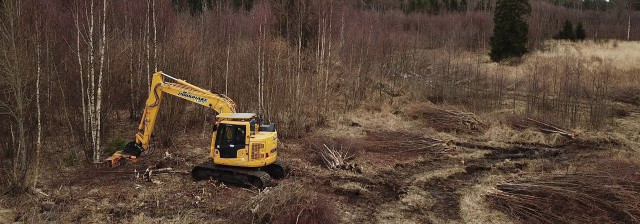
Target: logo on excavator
pixel 196 98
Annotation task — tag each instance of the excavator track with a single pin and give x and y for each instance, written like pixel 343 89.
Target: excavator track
pixel 276 170
pixel 237 175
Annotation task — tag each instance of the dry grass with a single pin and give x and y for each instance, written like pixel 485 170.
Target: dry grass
pixel 624 54
pixel 500 134
pixel 473 206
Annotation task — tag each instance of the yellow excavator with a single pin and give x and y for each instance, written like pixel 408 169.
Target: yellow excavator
pixel 242 151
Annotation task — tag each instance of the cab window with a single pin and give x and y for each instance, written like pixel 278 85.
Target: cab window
pixel 229 134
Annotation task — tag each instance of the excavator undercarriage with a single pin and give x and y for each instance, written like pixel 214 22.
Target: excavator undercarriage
pixel 247 177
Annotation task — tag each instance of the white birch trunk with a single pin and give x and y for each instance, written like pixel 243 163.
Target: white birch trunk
pixel 146 39
pixel 92 83
pixel 155 37
pixel 299 70
pixel 39 134
pixel 262 72
pixel 226 74
pixel 100 75
pixel 629 24
pixel 259 71
pixel 131 56
pixel 328 63
pixel 82 89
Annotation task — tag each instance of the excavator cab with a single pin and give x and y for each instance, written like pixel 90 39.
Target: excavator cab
pixel 239 141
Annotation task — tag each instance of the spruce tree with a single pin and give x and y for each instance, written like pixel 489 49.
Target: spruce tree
pixel 566 33
pixel 435 6
pixel 453 5
pixel 463 5
pixel 510 29
pixel 580 33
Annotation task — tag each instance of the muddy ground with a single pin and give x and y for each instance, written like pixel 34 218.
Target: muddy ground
pixel 443 184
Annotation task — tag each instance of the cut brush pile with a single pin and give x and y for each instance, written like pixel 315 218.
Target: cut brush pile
pixel 519 122
pixel 447 120
pixel 335 153
pixel 289 202
pixel 611 195
pixel 396 141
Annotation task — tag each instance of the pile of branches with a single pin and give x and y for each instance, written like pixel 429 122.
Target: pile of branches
pixel 545 127
pixel 334 153
pixel 447 120
pixel 396 142
pixel 289 202
pixel 630 95
pixel 597 197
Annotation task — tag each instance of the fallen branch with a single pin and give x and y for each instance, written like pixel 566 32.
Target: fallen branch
pixel 149 172
pixel 39 191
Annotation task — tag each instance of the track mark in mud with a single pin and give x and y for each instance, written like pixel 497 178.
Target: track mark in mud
pixel 517 152
pixel 429 188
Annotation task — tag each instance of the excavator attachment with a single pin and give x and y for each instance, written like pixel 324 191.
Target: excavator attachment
pixel 130 153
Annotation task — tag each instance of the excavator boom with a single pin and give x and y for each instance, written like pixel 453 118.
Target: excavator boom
pixel 180 88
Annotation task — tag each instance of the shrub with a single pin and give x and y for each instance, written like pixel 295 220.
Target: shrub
pixel 115 144
pixel 69 159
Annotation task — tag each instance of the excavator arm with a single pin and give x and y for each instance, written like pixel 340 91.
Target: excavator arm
pixel 218 102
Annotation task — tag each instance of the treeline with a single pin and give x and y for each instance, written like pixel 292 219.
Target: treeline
pixel 71 70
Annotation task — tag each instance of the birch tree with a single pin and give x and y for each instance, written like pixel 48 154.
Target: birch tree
pixel 38 117
pixel 15 78
pixel 103 47
pixel 155 36
pixel 85 121
pixel 93 88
